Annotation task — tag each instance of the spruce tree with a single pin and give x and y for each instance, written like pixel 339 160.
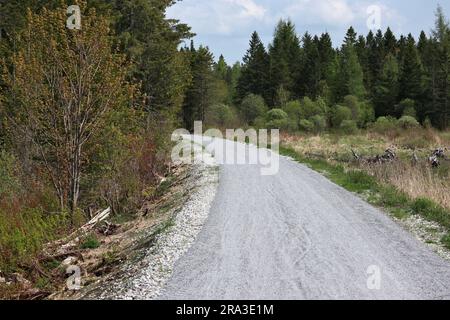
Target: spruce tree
pixel 387 88
pixel 284 55
pixel 255 70
pixel 310 75
pixel 411 72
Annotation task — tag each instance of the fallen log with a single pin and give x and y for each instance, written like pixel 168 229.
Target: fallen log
pixel 388 156
pixel 67 243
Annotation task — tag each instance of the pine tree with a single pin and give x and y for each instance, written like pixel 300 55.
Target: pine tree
pixel 390 43
pixel 440 72
pixel 221 68
pixel 255 70
pixel 350 77
pixel 376 57
pixel 411 72
pixel 199 94
pixel 350 37
pixel 327 55
pixel 284 54
pixel 387 88
pixel 363 57
pixel 310 74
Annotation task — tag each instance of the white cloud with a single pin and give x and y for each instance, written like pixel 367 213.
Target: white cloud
pixel 223 17
pixel 327 12
pixel 249 8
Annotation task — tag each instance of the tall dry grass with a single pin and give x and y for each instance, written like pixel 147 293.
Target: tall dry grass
pixel 418 181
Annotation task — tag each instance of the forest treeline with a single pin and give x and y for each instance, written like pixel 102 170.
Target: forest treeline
pixel 305 83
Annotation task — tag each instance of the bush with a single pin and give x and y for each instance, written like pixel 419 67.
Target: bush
pixel 23 234
pixel 407 107
pixel 362 111
pixel 252 107
pixel 9 181
pixel 353 104
pixel 367 115
pixel 407 122
pixel 294 111
pixel 340 114
pixel 319 122
pixel 90 242
pixel 349 126
pixel 384 124
pixel 220 115
pixel 427 123
pixel 306 125
pixel 277 119
pixel 310 108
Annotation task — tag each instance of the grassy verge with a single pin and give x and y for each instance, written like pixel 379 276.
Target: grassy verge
pixel 388 197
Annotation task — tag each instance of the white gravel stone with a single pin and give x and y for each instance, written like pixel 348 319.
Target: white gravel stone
pixel 157 266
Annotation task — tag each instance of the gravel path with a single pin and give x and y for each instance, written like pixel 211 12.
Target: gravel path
pixel 296 235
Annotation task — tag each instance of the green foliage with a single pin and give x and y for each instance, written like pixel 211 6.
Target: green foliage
pixel 349 126
pixel 340 114
pixel 199 95
pixel 407 107
pixel 284 55
pixel 387 88
pixel 379 71
pixel 446 241
pixel 310 108
pixel 306 125
pixel 407 122
pixel 384 124
pixel 319 122
pixel 9 181
pixel 90 242
pixel 221 115
pixel 431 211
pixel 254 77
pixel 23 234
pixel 427 123
pixel 252 107
pixel 276 119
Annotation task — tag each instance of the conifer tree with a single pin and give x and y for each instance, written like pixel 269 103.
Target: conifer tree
pixel 255 70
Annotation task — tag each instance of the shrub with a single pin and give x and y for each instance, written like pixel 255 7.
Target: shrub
pixel 277 119
pixel 306 125
pixel 353 104
pixel 349 126
pixel 221 115
pixel 340 113
pixel 367 115
pixel 294 110
pixel 384 124
pixel 252 107
pixel 310 108
pixel 407 122
pixel 23 234
pixel 427 123
pixel 9 181
pixel 407 107
pixel 319 122
pixel 90 242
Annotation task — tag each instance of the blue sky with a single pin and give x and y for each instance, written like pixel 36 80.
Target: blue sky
pixel 225 25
